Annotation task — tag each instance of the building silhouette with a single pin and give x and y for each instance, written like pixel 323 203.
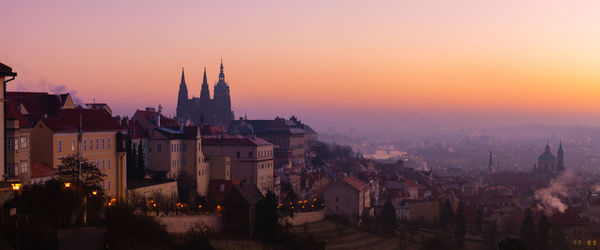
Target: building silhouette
pixel 550 164
pixel 203 109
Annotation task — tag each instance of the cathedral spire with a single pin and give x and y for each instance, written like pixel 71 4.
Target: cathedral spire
pixel 204 93
pixel 182 97
pixel 490 163
pixel 221 73
pixel 182 77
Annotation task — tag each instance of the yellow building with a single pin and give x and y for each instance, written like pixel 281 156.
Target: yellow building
pixel 178 153
pixel 251 158
pixel 220 167
pixel 55 138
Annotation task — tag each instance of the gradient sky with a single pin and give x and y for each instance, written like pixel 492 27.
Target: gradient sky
pixel 372 65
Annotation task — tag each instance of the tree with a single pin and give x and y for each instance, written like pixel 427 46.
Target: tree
pixel 140 166
pixel 131 160
pixel 388 216
pixel 511 244
pixel 446 215
pixel 69 171
pixel 266 219
pixel 543 233
pixel 528 229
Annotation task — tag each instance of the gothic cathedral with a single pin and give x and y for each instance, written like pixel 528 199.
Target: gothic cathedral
pixel 216 111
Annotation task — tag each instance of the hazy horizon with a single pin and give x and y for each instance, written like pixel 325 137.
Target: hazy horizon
pixel 382 67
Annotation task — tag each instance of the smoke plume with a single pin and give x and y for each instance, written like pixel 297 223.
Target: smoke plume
pixel 550 197
pixel 45 86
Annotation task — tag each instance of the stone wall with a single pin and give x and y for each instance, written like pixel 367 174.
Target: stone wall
pixel 181 224
pixel 307 217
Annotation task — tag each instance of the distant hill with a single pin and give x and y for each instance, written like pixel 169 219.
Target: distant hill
pixel 542 131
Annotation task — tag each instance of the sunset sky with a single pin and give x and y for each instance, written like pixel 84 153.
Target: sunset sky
pixel 371 65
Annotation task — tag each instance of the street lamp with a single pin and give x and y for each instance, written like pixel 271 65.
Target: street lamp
pixel 15 186
pixel 67 184
pixel 94 193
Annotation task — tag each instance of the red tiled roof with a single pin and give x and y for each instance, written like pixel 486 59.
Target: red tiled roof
pixel 12 113
pixel 164 121
pixel 91 120
pixel 355 183
pixel 39 170
pixel 38 103
pixel 235 141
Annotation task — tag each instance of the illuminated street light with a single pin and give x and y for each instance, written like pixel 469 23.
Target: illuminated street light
pixel 15 186
pixel 67 184
pixel 94 192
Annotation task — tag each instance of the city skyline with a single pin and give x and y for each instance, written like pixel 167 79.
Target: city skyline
pixel 438 63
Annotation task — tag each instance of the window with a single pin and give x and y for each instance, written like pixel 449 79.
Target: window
pixel 108 143
pixel 108 185
pixel 108 163
pixel 199 160
pixel 199 146
pixel 23 142
pixel 97 144
pixel 250 154
pixel 171 147
pixel 102 143
pixel 158 148
pixel 72 144
pixel 91 143
pixel 184 147
pixel 84 144
pixel 103 164
pixel 59 145
pixel 183 162
pixel 97 163
pixel 173 163
pixel 24 168
pixel 221 187
pixel 10 142
pixel 237 154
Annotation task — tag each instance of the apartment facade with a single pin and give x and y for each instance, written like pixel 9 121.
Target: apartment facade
pixel 18 147
pixel 250 158
pixel 55 138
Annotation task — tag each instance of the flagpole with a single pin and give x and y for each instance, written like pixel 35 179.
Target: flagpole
pixel 79 145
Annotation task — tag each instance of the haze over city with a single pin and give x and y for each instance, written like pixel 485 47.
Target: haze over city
pixel 379 66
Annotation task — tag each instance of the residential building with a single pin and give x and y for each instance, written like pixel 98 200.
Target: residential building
pixel 220 167
pixel 18 157
pixel 251 158
pixel 6 75
pixel 240 206
pixel 286 135
pixel 348 198
pixel 53 138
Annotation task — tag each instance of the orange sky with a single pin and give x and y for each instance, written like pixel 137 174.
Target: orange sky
pixel 321 60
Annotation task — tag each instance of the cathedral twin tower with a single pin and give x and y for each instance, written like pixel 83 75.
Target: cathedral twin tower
pixel 216 111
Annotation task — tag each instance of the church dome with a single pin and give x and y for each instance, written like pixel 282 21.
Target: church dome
pixel 547 156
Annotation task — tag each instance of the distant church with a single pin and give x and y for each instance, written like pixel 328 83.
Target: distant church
pixel 216 111
pixel 548 163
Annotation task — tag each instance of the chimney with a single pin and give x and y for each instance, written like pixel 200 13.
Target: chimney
pixel 157 119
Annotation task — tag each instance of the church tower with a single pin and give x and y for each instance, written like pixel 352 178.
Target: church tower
pixel 205 92
pixel 222 100
pixel 560 159
pixel 182 98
